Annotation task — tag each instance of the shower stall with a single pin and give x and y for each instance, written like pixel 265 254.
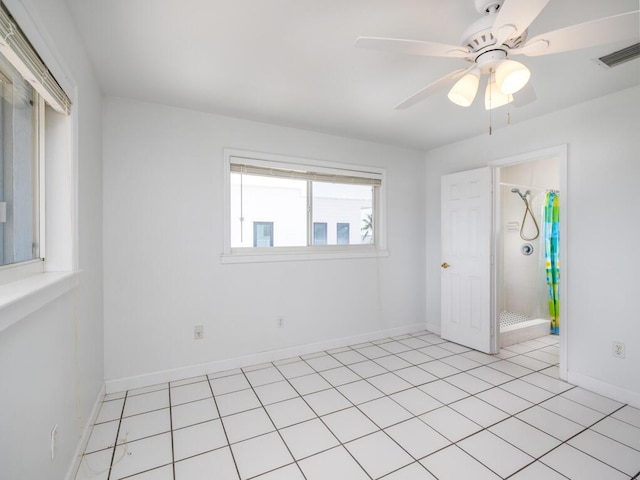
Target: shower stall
pixel 527 236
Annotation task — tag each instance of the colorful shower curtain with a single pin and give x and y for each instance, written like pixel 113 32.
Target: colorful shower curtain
pixel 552 254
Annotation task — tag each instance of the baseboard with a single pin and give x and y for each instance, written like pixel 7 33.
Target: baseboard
pixel 127 383
pixel 434 328
pixel 606 389
pixel 86 433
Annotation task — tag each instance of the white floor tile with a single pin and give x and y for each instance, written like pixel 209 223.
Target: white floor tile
pixel 435 351
pixel 529 362
pixel 450 423
pixel 349 424
pixel 289 412
pixel 103 435
pixel 454 464
pixel 416 401
pixel 480 357
pixel 190 393
pixel 443 391
pixel 336 464
pixel 146 402
pixel 505 366
pixel 327 401
pixel 585 416
pixel 389 383
pixel 415 375
pixel 339 376
pixel 384 412
pixel 415 471
pixel 621 431
pixel 161 473
pixel 260 455
pixel 224 373
pixel 415 357
pixel 378 454
pixel 210 465
pixel 149 389
pixel 192 413
pixel 537 471
pixel 236 402
pixel 349 357
pixel 527 391
pixel 478 411
pixel 460 362
pixel 629 415
pixel 550 423
pixel 454 347
pixel 493 452
pixel 231 383
pixel 468 383
pixel 308 438
pixel 359 392
pixel 264 376
pixel 608 451
pixel 197 439
pixel 593 400
pixel 395 347
pixel 575 464
pixel 141 455
pixel 439 369
pixel 417 438
pixel 144 425
pixel 373 351
pixel 490 375
pixel 543 357
pixel 367 369
pixel 275 392
pixel 95 466
pixel 324 362
pixel 290 472
pixel 392 362
pixel 309 384
pixel 242 426
pixel 548 383
pixel 295 369
pixel 187 381
pixel 109 411
pixel 505 401
pixel 527 438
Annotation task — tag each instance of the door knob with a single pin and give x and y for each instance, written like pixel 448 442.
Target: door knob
pixel 445 265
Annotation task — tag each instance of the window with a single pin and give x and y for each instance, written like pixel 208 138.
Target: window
pixel 315 207
pixel 342 233
pixel 25 85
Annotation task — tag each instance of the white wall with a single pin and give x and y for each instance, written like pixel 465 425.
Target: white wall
pixel 163 207
pixel 601 208
pixel 51 363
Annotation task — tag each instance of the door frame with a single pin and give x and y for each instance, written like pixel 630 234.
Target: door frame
pixel 560 151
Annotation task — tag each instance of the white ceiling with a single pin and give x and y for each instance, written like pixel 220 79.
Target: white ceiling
pixel 292 62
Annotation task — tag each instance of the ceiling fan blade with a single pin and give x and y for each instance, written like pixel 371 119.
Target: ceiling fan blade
pixel 524 96
pixel 433 87
pixel 596 32
pixel 514 17
pixel 412 47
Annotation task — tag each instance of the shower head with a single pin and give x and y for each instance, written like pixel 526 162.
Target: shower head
pixel 523 197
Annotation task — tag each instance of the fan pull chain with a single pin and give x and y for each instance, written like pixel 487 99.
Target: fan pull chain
pixel 489 88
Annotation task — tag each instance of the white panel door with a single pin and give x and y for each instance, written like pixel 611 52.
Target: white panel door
pixel 466 223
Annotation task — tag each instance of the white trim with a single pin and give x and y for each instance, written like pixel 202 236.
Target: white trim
pixel 603 388
pixel 560 151
pixel 230 255
pixel 23 297
pixel 127 383
pixel 84 437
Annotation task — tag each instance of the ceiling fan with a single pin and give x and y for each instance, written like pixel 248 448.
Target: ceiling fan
pixel 490 41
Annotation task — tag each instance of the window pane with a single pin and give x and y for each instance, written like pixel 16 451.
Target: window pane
pixel 18 168
pixel 350 206
pixel 319 233
pixel 342 236
pixel 259 200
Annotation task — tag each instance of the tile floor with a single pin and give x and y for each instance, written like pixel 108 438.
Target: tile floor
pixel 412 407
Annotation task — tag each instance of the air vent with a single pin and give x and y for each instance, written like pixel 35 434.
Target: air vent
pixel 621 56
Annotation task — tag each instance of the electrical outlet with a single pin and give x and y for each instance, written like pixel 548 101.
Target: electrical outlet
pixel 54 437
pixel 618 349
pixel 198 332
pixel 280 322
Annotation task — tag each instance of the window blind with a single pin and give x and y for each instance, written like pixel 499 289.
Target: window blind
pixel 20 53
pixel 352 178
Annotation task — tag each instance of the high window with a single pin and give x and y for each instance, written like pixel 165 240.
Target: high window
pixel 282 205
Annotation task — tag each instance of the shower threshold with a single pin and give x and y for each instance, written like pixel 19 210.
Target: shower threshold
pixel 518 328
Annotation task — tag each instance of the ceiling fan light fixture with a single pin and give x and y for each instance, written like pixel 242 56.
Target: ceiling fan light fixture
pixel 465 89
pixel 494 98
pixel 511 76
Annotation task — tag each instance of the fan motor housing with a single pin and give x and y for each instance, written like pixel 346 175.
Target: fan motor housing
pixel 478 36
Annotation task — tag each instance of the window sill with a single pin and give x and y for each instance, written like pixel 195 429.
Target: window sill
pixel 23 297
pixel 284 256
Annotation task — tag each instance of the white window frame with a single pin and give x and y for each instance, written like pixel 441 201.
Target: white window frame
pixel 313 252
